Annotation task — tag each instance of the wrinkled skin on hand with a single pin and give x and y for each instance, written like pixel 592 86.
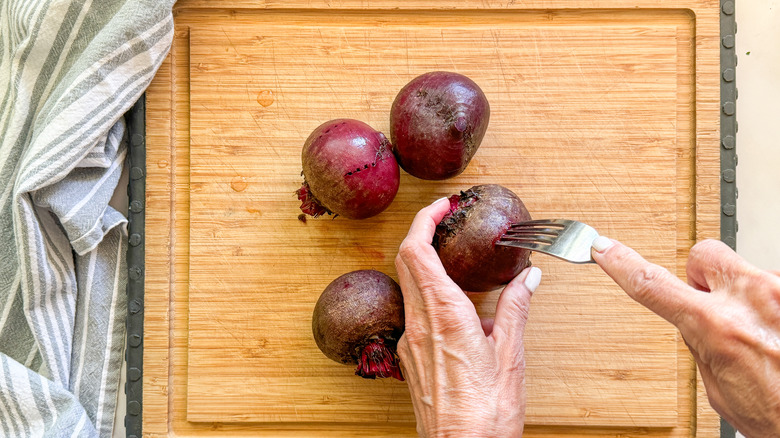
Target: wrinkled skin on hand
pixel 466 376
pixel 729 316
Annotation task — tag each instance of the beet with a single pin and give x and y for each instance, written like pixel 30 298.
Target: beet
pixel 348 169
pixel 358 320
pixel 437 122
pixel 466 238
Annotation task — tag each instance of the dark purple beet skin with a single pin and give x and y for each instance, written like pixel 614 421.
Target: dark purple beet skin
pixel 437 122
pixel 348 169
pixel 466 238
pixel 358 320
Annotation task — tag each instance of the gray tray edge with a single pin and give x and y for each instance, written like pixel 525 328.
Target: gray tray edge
pixel 136 190
pixel 728 139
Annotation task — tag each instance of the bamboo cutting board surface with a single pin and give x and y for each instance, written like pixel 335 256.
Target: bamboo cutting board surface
pixel 607 114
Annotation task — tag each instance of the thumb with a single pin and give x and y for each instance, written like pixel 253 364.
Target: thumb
pixel 650 285
pixel 712 265
pixel 513 307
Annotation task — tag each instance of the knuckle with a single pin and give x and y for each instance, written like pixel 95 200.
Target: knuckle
pixel 451 315
pixel 690 318
pixel 513 360
pixel 521 313
pixel 727 334
pixel 763 284
pixel 410 338
pixel 444 311
pixel 702 252
pixel 421 214
pixel 706 246
pixel 652 286
pixel 723 328
pixel 646 279
pixel 408 250
pixel 619 256
pixel 773 301
pixel 399 262
pixel 518 312
pixel 402 347
pixel 521 307
pixel 714 402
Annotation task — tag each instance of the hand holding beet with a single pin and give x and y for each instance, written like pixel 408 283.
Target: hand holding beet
pixel 466 376
pixel 466 238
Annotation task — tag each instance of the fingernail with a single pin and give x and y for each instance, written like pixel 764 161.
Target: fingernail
pixel 533 279
pixel 438 200
pixel 601 243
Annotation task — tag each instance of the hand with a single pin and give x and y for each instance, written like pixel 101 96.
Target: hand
pixel 729 316
pixel 466 376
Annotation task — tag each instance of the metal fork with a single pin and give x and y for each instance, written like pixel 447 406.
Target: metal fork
pixel 563 238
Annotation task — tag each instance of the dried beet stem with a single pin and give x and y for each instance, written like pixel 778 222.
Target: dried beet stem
pixel 309 203
pixel 378 360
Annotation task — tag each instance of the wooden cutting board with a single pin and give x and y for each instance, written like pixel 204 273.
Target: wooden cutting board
pixel 603 111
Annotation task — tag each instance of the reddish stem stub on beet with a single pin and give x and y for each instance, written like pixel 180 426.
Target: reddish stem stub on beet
pixel 309 203
pixel 378 360
pixel 466 237
pixel 358 320
pixel 349 170
pixel 437 122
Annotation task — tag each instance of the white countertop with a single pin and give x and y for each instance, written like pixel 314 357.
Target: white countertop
pixel 758 114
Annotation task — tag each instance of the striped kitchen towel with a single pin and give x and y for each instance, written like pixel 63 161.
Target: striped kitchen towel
pixel 69 70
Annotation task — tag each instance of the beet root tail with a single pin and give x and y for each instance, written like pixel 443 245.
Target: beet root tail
pixel 378 360
pixel 309 204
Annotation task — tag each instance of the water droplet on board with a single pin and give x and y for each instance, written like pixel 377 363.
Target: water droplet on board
pixel 265 98
pixel 238 184
pixel 162 164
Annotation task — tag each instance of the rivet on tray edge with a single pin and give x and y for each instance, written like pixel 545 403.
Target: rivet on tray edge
pixel 729 108
pixel 728 142
pixel 133 408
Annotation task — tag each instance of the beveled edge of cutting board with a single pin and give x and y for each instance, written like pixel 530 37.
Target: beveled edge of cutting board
pixel 136 191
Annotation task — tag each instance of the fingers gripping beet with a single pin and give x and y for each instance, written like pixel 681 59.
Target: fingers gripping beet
pixel 348 169
pixel 466 238
pixel 358 320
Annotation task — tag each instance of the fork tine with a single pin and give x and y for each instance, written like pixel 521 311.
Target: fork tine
pixel 529 238
pixel 560 223
pixel 533 231
pixel 563 238
pixel 524 245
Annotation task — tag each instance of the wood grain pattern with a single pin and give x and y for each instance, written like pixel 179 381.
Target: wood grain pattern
pixel 632 151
